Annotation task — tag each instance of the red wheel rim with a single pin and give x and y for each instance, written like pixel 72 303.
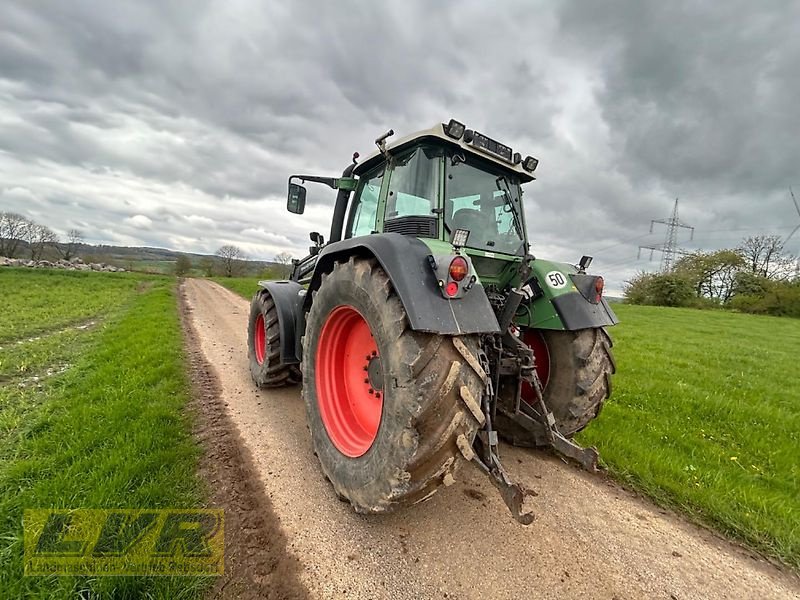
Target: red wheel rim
pixel 535 340
pixel 349 381
pixel 260 340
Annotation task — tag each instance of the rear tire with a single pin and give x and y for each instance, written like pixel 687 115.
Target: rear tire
pixel 411 448
pixel 264 345
pixel 578 381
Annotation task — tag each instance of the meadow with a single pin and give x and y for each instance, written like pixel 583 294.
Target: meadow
pixel 93 394
pixel 704 418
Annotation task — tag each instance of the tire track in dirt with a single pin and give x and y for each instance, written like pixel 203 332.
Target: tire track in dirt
pixel 591 538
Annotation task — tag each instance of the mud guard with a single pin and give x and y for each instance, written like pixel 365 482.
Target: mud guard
pixel 288 297
pixel 405 261
pixel 578 313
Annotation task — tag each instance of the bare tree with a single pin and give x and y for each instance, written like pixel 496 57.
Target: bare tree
pixel 74 239
pixel 764 255
pixel 39 237
pixel 231 257
pixel 12 230
pixel 284 262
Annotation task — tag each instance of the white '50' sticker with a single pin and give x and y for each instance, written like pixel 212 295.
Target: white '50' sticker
pixel 556 280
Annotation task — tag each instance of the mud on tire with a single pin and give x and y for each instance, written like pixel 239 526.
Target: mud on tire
pixel 581 365
pixel 266 368
pixel 423 414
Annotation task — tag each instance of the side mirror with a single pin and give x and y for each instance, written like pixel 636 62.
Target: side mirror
pixel 313 250
pixel 317 238
pixel 296 201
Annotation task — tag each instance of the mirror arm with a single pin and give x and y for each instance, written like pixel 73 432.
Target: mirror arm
pixel 331 182
pixel 336 183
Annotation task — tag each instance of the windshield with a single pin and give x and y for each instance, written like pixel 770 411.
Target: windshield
pixel 487 204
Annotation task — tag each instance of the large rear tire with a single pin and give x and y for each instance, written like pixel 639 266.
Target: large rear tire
pixel 386 405
pixel 264 345
pixel 575 368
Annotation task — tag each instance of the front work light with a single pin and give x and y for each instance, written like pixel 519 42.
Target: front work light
pixel 454 129
pixel 530 164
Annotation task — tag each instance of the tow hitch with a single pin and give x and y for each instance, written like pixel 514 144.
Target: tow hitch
pixel 485 451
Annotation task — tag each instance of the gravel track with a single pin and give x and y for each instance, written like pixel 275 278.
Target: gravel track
pixel 591 538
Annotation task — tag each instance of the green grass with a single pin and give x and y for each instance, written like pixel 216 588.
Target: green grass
pixel 45 300
pixel 705 418
pixel 111 431
pixel 244 286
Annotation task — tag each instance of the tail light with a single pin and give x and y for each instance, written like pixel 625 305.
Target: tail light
pixel 454 274
pixel 458 268
pixel 599 284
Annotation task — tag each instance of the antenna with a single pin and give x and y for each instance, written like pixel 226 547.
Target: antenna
pixel 797 208
pixel 669 248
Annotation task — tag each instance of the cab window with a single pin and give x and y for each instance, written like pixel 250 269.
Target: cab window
pixel 365 205
pixel 414 184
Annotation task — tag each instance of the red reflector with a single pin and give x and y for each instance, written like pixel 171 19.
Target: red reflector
pixel 458 268
pixel 451 289
pixel 599 284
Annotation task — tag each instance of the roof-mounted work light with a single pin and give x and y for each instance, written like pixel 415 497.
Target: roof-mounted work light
pixel 530 164
pixel 454 129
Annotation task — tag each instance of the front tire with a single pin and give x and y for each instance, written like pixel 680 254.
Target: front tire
pixel 397 445
pixel 264 345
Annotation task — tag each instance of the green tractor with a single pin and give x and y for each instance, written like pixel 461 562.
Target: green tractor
pixel 424 329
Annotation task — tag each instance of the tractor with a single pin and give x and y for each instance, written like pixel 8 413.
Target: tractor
pixel 424 330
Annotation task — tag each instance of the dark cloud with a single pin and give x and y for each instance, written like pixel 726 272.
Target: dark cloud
pixel 176 124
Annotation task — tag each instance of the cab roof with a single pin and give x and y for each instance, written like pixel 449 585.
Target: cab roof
pixel 437 135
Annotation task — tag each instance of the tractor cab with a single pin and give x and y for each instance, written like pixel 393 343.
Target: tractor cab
pixel 433 183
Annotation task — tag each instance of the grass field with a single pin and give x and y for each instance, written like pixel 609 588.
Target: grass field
pixel 704 418
pixel 105 428
pixel 244 286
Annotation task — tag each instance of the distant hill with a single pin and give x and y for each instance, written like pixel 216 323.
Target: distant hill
pixel 144 258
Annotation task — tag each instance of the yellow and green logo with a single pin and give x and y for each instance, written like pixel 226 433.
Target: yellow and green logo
pixel 124 542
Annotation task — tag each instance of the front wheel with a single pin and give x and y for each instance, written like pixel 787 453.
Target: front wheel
pixel 264 345
pixel 388 407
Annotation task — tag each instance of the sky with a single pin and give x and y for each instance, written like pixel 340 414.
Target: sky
pixel 176 124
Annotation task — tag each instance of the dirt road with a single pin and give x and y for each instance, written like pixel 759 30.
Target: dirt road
pixel 591 539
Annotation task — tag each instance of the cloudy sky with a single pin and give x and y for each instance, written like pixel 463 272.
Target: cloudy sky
pixel 176 124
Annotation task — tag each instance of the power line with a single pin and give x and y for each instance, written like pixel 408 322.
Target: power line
pixel 669 248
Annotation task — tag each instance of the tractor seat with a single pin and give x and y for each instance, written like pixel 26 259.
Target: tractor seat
pixel 479 223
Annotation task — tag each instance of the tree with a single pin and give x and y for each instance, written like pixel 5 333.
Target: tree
pixel 712 274
pixel 764 255
pixel 659 289
pixel 284 262
pixel 207 266
pixel 12 231
pixel 74 239
pixel 182 265
pixel 230 257
pixel 38 238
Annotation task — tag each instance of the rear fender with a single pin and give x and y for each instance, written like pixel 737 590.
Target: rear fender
pixel 288 297
pixel 560 305
pixel 405 261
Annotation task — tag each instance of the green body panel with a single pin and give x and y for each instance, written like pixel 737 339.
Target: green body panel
pixel 543 314
pixel 503 269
